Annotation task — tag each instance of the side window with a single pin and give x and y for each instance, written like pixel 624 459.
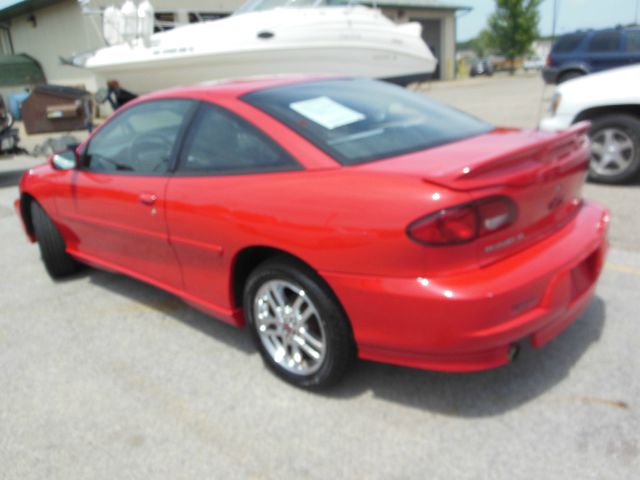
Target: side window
pixel 633 41
pixel 604 42
pixel 139 140
pixel 568 43
pixel 222 143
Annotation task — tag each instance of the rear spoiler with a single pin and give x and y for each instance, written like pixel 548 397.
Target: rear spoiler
pixel 510 168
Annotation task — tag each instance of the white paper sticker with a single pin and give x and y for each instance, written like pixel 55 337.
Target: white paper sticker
pixel 326 112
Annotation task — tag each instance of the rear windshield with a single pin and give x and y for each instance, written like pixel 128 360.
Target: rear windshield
pixel 358 121
pixel 568 43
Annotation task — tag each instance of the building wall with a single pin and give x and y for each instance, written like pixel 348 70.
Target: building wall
pixel 185 5
pixel 5 40
pixel 59 30
pixel 182 8
pixel 542 48
pixel 62 30
pixel 447 21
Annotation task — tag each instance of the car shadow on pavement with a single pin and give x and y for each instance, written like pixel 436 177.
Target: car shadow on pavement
pixel 476 394
pixel 167 303
pixel 487 393
pixel 10 178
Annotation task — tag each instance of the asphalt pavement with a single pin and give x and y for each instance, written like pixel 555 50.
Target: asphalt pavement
pixel 104 377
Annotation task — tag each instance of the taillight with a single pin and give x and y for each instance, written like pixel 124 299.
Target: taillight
pixel 549 61
pixel 463 223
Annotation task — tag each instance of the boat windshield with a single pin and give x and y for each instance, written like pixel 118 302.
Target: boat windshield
pixel 261 5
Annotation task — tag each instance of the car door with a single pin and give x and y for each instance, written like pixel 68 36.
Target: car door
pixel 604 50
pixel 210 209
pixel 632 46
pixel 118 192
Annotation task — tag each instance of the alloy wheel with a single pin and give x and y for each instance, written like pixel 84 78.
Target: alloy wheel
pixel 612 152
pixel 289 326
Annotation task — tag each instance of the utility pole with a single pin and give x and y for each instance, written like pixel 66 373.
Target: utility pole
pixel 555 16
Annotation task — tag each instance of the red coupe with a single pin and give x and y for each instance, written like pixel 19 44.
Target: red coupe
pixel 336 217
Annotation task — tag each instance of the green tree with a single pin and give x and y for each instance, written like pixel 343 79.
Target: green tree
pixel 483 43
pixel 514 27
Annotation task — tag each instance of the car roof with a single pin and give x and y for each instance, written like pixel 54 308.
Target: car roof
pixel 232 88
pixel 592 31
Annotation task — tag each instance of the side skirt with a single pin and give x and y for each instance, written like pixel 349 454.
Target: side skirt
pixel 231 316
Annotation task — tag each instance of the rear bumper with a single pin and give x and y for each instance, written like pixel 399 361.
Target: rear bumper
pixel 550 74
pixel 469 322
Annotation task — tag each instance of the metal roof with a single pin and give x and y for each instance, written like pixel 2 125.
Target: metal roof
pixel 13 8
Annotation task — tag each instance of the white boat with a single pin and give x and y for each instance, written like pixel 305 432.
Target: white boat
pixel 266 37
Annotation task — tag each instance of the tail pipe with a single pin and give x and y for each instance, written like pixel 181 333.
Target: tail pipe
pixel 514 351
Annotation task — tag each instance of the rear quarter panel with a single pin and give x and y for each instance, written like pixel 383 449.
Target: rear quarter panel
pixel 341 220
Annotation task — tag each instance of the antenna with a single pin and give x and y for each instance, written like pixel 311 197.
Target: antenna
pixel 556 5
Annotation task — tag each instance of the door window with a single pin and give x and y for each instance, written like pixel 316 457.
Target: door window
pixel 222 143
pixel 633 41
pixel 140 140
pixel 605 42
pixel 568 43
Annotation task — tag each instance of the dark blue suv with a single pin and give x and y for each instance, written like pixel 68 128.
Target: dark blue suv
pixel 581 53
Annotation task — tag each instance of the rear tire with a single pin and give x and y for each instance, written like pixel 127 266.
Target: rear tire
pixel 297 324
pixel 615 149
pixel 52 247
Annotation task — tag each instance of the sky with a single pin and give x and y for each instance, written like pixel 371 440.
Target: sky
pixel 572 15
pixel 8 3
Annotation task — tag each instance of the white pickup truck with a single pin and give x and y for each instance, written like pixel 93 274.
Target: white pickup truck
pixel 611 101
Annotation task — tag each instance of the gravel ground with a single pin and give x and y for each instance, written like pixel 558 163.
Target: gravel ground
pixel 104 377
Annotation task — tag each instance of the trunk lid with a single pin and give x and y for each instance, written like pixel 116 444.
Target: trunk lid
pixel 542 173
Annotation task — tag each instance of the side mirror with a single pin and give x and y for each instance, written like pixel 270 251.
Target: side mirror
pixel 65 160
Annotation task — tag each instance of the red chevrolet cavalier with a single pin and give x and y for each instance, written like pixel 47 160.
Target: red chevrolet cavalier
pixel 335 217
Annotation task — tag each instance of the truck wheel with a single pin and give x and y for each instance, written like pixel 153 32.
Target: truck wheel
pixel 615 149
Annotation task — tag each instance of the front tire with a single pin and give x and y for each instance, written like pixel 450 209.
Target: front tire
pixel 615 149
pixel 297 325
pixel 52 247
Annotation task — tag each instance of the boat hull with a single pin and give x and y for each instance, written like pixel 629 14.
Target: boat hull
pixel 144 77
pixel 354 41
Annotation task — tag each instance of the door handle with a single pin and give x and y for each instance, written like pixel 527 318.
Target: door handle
pixel 148 198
